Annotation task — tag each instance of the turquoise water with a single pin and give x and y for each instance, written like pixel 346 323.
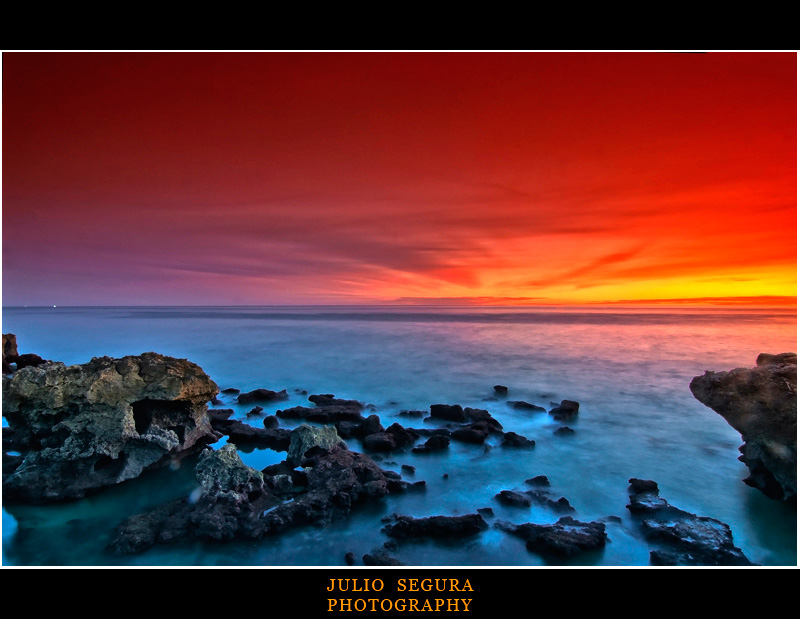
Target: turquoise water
pixel 629 369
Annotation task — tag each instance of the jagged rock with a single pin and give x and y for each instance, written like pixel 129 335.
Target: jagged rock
pixel 437 442
pixel 262 395
pixel 565 538
pixel 83 427
pixel 516 499
pixel 539 480
pixel 524 406
pixel 325 414
pixel 449 412
pixel 328 399
pixel 238 507
pixel 241 433
pixel 437 527
pixel 686 538
pixel 255 411
pixel 230 499
pixel 371 425
pixel 485 511
pixel 475 433
pixel 305 437
pixel 761 404
pixel 566 410
pixel 10 352
pixel 479 415
pixel 512 439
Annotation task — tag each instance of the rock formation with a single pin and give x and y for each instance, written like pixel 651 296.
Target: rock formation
pixel 761 404
pixel 82 427
pixel 684 538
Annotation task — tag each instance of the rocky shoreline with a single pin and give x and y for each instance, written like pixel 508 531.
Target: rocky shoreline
pixel 76 430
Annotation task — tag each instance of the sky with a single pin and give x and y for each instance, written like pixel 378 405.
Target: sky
pixel 408 178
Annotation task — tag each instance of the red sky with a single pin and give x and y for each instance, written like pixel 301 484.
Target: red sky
pixel 217 179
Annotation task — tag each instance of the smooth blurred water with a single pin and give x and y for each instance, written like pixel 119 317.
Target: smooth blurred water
pixel 629 369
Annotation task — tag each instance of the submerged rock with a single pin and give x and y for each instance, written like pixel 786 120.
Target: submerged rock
pixel 512 439
pixel 328 399
pixel 761 404
pixel 685 538
pixel 565 411
pixel 436 527
pixel 83 427
pixel 565 538
pixel 524 406
pixel 262 395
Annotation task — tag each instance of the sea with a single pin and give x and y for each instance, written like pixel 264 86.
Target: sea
pixel 629 368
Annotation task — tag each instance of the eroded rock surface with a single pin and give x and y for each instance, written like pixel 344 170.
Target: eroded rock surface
pixel 565 538
pixel 684 538
pixel 437 527
pixel 82 427
pixel 761 404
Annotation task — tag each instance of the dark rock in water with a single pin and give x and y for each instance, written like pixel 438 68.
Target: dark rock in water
pixel 231 498
pixel 10 352
pixel 437 527
pixel 255 411
pixel 391 545
pixel 564 431
pixel 685 538
pixel 271 422
pixel 219 414
pixel 409 469
pixel 565 538
pixel 236 506
pixel 350 558
pixel 324 414
pixel 241 433
pixel 761 404
pixel 396 437
pixel 380 558
pixel 415 414
pixel 83 427
pixel 449 412
pixel 29 360
pixel 305 437
pixel 501 389
pixel 566 410
pixel 524 406
pixel 328 399
pixel 485 511
pixel 371 425
pixel 436 442
pixel 512 439
pixel 479 415
pixel 539 480
pixel 516 499
pixel 399 486
pixel 262 395
pixel 230 391
pixel 475 433
pixel 301 392
pixel 217 402
pixel 445 476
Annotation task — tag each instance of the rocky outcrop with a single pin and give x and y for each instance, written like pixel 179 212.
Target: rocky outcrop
pixel 233 504
pixel 82 427
pixel 683 538
pixel 565 538
pixel 305 437
pixel 10 352
pixel 761 404
pixel 565 411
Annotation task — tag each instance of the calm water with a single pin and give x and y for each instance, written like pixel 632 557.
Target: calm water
pixel 629 369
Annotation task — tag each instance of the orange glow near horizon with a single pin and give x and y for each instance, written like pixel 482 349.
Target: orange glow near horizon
pixel 313 178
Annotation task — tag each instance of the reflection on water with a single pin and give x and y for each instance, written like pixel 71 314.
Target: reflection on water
pixel 629 369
